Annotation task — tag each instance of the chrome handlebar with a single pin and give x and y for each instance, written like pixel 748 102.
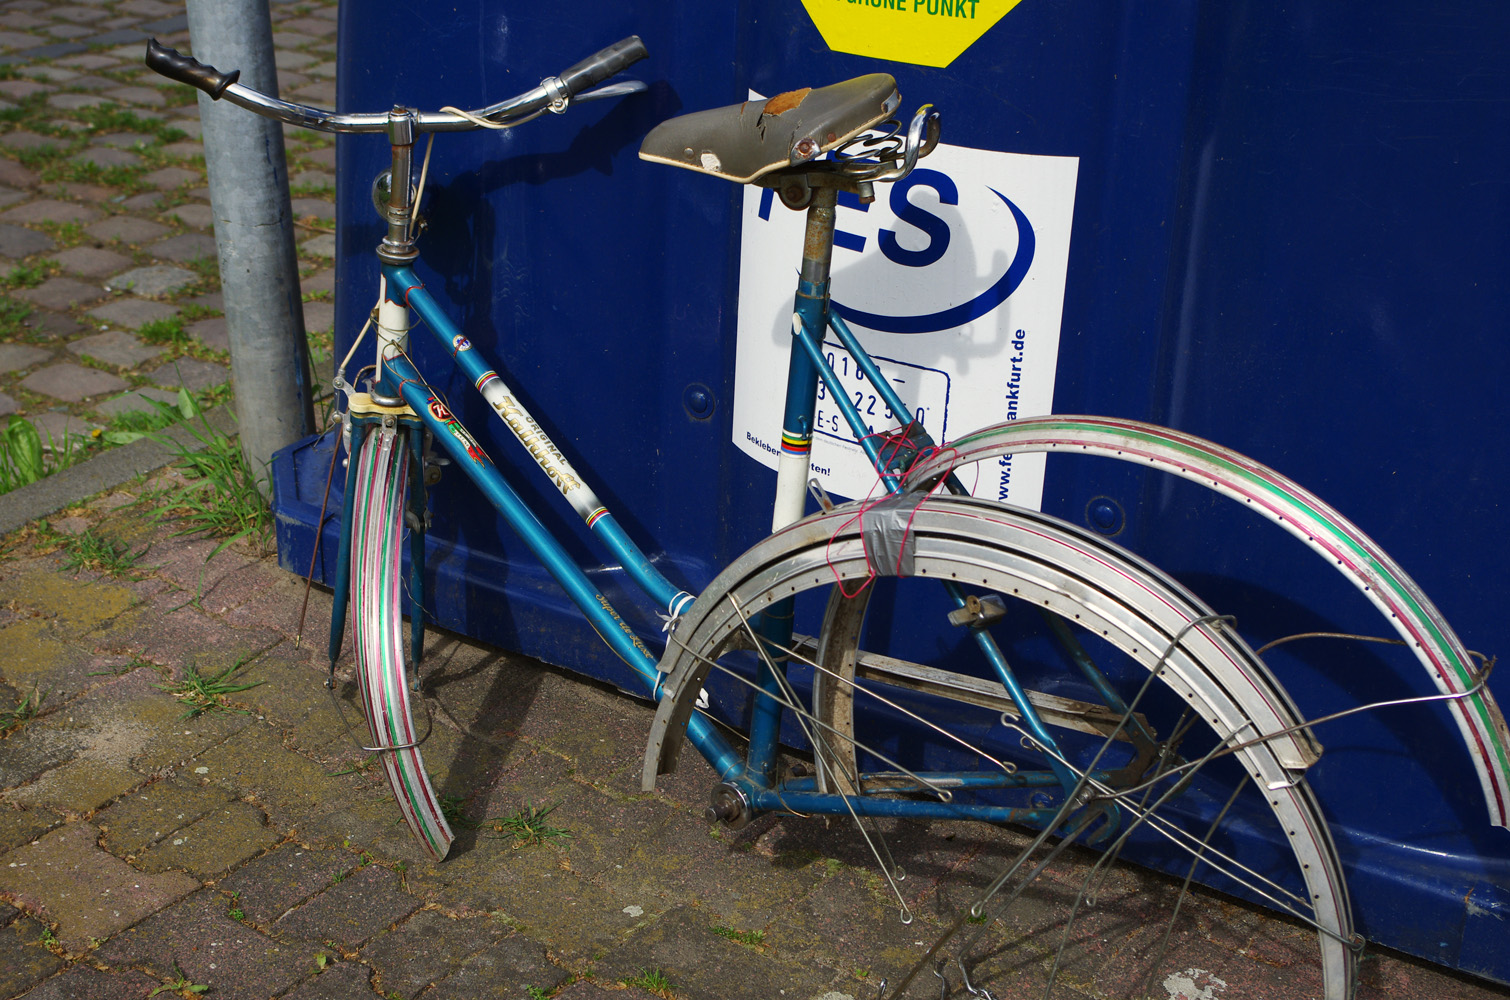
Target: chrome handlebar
pixel 555 93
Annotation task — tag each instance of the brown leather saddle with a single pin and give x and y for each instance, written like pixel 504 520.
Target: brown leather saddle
pixel 744 142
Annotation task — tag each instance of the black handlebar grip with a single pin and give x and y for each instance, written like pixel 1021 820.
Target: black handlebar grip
pixel 185 69
pixel 600 66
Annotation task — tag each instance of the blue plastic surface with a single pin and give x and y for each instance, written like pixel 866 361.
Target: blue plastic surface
pixel 1290 236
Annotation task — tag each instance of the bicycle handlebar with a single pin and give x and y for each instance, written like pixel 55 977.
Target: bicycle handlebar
pixel 554 93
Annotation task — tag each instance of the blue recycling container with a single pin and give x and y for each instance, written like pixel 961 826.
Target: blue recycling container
pixel 1285 230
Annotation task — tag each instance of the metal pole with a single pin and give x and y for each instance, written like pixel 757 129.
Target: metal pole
pixel 254 235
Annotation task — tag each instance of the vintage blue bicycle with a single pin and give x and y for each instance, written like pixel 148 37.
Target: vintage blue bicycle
pixel 1081 694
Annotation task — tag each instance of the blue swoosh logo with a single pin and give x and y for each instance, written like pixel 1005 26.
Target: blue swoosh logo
pixel 961 314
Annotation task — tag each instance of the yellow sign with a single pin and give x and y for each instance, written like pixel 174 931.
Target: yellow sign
pixel 925 32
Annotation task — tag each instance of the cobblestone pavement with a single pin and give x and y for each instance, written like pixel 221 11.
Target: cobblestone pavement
pixel 247 850
pixel 109 289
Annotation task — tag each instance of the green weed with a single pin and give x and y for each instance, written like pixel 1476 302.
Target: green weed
pixel 13 317
pixel 87 550
pixel 752 939
pixel 221 498
pixel 527 826
pixel 653 980
pixel 204 694
pixel 234 910
pixel 29 275
pixel 168 331
pixel 192 311
pixel 23 459
pixel 179 984
pixel 537 993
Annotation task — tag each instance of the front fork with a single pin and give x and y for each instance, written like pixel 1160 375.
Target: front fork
pixel 368 416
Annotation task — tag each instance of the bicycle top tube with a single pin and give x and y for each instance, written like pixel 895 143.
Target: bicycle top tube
pixel 555 93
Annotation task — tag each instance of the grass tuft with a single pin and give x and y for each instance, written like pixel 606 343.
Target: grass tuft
pixel 28 708
pixel 203 694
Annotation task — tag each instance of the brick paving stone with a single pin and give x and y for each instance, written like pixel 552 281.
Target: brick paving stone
pixel 319 316
pixel 324 156
pixel 92 194
pixel 91 894
pixel 115 347
pixel 318 207
pixel 148 8
pixel 28 140
pixel 21 89
pixel 428 946
pixel 9 196
pixel 313 179
pixel 22 826
pixel 123 140
pixel 171 177
pixel 16 40
pixel 47 210
pixel 8 405
pixel 52 325
pixel 194 213
pixel 87 62
pixel 324 69
pixel 54 428
pixel 186 247
pixel 314 27
pixel 321 93
pixel 191 373
pixel 270 886
pixel 190 127
pixel 137 821
pixel 72 383
pixel 215 844
pixel 126 228
pixel 149 96
pixel 147 201
pixel 234 960
pixel 84 982
pixel 14 174
pixel 81 14
pixel 14 357
pixel 320 281
pixel 155 280
pixel 60 293
pixel 351 911
pixel 105 156
pixel 132 312
pixel 92 262
pixel 211 333
pixel 338 981
pixel 92 82
pixel 47 52
pixel 185 148
pixel 55 74
pixel 284 39
pixel 515 963
pixel 132 402
pixel 24 959
pixel 286 60
pixel 74 102
pixel 323 245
